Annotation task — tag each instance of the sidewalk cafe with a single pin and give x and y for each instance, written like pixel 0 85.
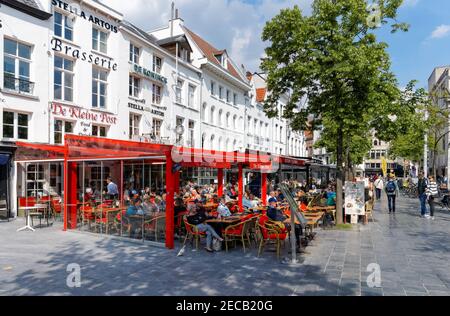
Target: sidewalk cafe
pixel 103 179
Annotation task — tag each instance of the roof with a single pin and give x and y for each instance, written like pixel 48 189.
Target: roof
pixel 261 94
pixel 137 31
pixel 210 53
pixel 30 7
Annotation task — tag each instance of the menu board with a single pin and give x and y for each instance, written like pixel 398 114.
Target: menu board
pixel 355 203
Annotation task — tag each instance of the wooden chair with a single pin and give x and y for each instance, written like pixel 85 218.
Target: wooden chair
pixel 155 226
pixel 239 232
pixel 192 233
pixel 271 232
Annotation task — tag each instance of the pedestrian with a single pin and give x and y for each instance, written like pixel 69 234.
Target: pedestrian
pixel 422 187
pixel 432 193
pixel 379 186
pixel 392 192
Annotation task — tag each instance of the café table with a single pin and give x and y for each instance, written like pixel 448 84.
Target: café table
pixel 28 210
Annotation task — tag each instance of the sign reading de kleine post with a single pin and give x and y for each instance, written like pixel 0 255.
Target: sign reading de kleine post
pixel 82 14
pixel 82 114
pixel 59 46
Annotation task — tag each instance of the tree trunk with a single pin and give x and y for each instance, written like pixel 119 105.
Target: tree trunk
pixel 339 178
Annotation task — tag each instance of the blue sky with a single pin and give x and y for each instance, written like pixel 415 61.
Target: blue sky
pixel 415 53
pixel 237 24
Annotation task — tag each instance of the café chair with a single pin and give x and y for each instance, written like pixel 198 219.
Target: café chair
pixel 192 233
pixel 238 232
pixel 271 232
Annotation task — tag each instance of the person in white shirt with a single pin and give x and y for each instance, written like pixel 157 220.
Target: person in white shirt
pixel 379 187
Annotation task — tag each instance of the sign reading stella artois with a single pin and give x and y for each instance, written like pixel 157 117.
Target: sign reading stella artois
pixel 81 114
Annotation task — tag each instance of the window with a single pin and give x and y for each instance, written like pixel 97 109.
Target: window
pixel 235 99
pixel 228 96
pixel 157 64
pixel 15 125
pixel 61 129
pixel 99 131
pixel 191 134
pixel 213 88
pixel 249 120
pixel 16 66
pixel 134 87
pixel 63 26
pixel 135 122
pixel 219 118
pixel 99 88
pixel 204 112
pixel 235 122
pixel 157 128
pixel 220 93
pixel 99 40
pixel 179 122
pixel 134 54
pixel 191 99
pixel 228 120
pixel 156 94
pixel 179 91
pixel 63 81
pixel 211 117
pixel 35 180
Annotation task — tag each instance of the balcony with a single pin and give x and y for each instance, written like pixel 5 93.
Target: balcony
pixel 18 85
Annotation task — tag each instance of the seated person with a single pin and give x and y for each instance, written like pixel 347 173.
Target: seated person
pixel 274 213
pixel 247 203
pixel 304 204
pixel 198 218
pixel 149 205
pixel 223 209
pixel 136 208
pixel 179 207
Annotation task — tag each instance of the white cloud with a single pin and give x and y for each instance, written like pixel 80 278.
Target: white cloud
pixel 234 25
pixel 441 31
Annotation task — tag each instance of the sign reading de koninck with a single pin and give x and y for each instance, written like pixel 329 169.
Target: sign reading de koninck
pixel 89 17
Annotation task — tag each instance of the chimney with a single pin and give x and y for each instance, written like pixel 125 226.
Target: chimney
pixel 176 14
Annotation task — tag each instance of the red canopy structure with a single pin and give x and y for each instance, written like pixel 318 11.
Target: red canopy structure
pixel 81 148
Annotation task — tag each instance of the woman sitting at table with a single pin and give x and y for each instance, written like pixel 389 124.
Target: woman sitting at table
pixel 198 218
pixel 134 217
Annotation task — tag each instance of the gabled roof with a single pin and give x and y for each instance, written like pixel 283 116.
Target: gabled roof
pixel 261 94
pixel 30 7
pixel 137 31
pixel 210 53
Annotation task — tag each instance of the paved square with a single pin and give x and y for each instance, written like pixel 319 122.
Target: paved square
pixel 413 254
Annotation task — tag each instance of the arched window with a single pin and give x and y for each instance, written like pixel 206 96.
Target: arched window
pixel 220 144
pixel 212 145
pixel 235 145
pixel 204 140
pixel 204 112
pixel 228 120
pixel 211 118
pixel 220 118
pixel 235 122
pixel 276 133
pixel 227 145
pixel 281 134
pixel 375 143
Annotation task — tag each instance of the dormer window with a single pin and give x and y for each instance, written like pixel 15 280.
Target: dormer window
pixel 223 60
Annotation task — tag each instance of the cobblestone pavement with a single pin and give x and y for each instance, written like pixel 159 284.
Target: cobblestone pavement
pixel 413 254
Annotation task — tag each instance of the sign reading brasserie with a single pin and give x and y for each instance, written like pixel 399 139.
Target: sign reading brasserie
pixel 74 9
pixel 59 46
pixel 82 114
pixel 149 74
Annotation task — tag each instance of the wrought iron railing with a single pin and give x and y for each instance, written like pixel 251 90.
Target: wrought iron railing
pixel 18 84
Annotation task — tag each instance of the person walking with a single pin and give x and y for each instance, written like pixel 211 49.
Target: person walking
pixel 422 188
pixel 392 192
pixel 379 186
pixel 432 193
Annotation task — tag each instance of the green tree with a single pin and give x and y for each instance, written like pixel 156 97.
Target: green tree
pixel 333 59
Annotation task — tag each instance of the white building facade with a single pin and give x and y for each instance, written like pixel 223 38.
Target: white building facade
pixel 80 68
